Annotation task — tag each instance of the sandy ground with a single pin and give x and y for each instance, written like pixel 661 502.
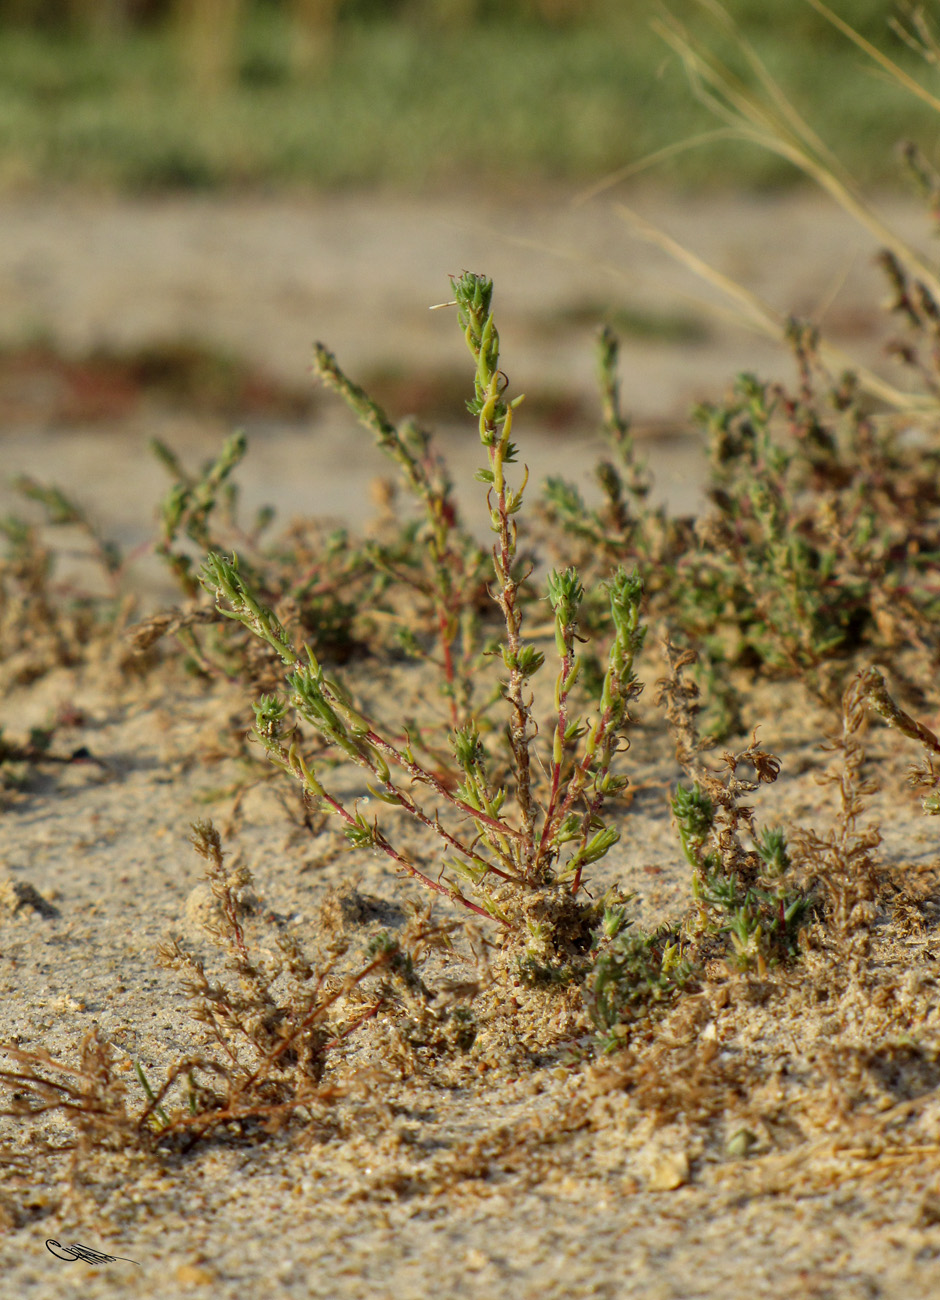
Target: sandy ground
pixel 519 1179
pixel 521 1176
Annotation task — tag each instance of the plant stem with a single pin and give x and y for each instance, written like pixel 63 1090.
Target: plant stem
pixel 474 297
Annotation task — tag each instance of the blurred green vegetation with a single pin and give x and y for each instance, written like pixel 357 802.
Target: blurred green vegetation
pixel 168 94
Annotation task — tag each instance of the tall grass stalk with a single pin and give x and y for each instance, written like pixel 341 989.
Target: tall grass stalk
pixel 756 110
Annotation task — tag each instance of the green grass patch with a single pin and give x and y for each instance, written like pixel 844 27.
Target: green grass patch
pixel 403 105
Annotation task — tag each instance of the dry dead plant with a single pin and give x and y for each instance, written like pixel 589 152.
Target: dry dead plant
pixel 842 860
pixel 270 1033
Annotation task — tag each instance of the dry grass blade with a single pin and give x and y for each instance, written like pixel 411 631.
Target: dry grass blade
pixel 760 315
pixel 613 178
pixel 770 121
pixel 88 1096
pixel 895 72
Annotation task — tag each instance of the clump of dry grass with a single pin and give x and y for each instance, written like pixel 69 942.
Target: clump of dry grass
pixel 842 859
pixel 271 1023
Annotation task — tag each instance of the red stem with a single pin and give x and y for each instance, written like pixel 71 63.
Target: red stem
pixel 422 776
pixel 382 843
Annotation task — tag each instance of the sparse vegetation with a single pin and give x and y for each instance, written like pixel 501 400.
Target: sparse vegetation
pixel 520 829
pixel 505 783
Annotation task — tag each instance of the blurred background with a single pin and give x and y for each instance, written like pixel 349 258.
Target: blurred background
pixel 192 191
pixel 146 95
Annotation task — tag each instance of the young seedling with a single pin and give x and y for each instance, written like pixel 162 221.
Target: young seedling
pixel 633 976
